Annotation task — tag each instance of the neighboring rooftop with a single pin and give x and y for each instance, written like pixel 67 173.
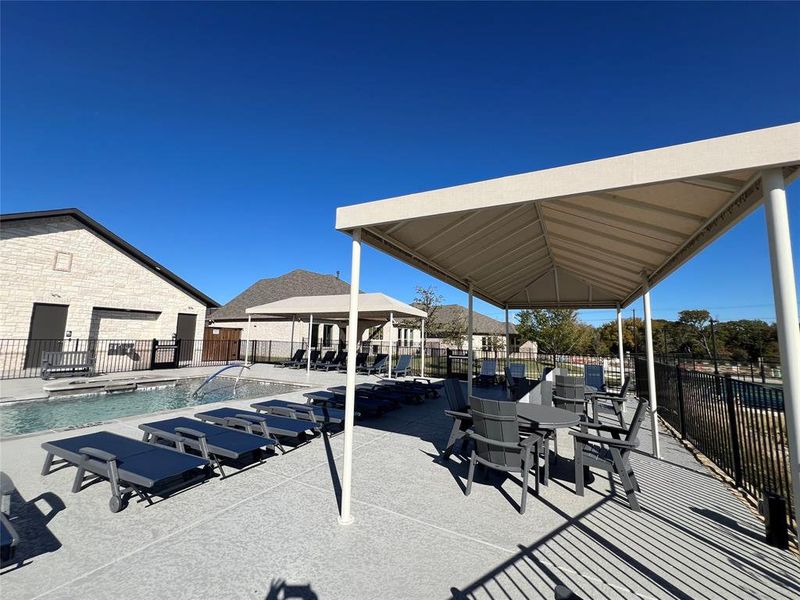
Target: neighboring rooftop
pixel 481 324
pixel 116 241
pixel 295 283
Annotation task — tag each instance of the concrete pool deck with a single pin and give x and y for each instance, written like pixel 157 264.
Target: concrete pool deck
pixel 415 534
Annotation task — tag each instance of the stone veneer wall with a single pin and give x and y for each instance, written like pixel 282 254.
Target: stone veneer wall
pixel 60 261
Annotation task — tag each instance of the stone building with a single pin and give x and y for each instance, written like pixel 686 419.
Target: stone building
pixel 67 278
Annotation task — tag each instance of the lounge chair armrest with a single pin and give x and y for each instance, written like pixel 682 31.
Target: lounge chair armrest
pixel 97 454
pixel 582 437
pixel 607 427
pixel 424 380
pixel 458 415
pixel 498 444
pixel 190 432
pixel 241 422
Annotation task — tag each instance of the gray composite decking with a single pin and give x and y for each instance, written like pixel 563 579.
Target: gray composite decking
pixel 415 534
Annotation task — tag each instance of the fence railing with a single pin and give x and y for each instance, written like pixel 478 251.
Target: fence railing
pixel 22 358
pixel 739 425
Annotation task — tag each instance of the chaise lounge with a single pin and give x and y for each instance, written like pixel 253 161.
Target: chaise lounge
pixel 130 466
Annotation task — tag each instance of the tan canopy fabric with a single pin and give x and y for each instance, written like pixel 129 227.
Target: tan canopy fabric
pixel 371 307
pixel 583 235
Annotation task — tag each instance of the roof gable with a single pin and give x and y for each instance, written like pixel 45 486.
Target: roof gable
pixel 118 243
pixel 295 283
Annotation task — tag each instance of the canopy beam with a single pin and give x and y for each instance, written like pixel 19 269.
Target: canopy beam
pixel 470 366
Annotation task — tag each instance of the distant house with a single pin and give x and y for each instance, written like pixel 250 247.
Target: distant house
pixel 488 333
pixel 66 277
pixel 230 320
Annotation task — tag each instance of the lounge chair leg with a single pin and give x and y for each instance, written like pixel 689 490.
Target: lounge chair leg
pixel 146 437
pixel 525 472
pixel 78 481
pixel 451 440
pixel 578 468
pixel 471 474
pixel 48 464
pixel 627 484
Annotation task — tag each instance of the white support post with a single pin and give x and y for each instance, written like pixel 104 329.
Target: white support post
pixel 422 351
pixel 651 369
pixel 391 342
pixel 620 347
pixel 784 289
pixel 308 346
pixel 345 518
pixel 508 340
pixel 291 343
pixel 247 341
pixel 469 342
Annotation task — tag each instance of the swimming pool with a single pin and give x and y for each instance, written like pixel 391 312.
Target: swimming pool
pixel 76 411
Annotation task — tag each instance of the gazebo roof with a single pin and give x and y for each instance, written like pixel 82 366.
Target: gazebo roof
pixel 371 307
pixel 582 235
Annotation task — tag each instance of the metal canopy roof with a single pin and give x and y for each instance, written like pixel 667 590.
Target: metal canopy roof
pixel 371 307
pixel 582 235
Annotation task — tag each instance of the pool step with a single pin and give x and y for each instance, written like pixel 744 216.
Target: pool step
pixel 120 387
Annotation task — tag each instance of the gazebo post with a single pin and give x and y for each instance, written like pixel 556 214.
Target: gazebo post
pixel 621 350
pixel 651 368
pixel 247 340
pixel 422 350
pixel 469 341
pixel 784 290
pixel 308 344
pixel 345 518
pixel 508 338
pixel 291 339
pixel 391 341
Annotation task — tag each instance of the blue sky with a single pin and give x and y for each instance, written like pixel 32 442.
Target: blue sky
pixel 220 138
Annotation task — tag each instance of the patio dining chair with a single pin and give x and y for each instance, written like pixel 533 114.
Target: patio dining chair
pixel 610 453
pixel 459 412
pixel 569 393
pixel 499 445
pixel 615 400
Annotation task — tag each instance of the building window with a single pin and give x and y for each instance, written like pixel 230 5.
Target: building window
pixel 327 335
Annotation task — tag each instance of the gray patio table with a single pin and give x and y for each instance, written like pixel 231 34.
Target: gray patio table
pixel 546 417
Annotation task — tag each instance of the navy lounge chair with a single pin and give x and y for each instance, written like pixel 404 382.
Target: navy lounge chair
pixel 212 442
pixel 380 364
pixel 361 361
pixel 317 414
pixel 364 403
pixel 301 364
pixel 272 426
pixel 130 466
pixel 9 538
pixel 326 359
pixel 403 366
pixel 488 374
pixel 336 363
pixel 296 359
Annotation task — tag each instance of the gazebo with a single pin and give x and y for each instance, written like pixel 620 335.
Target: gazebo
pixel 598 234
pixel 373 309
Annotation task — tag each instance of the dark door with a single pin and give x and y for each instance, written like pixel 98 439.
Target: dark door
pixel 184 331
pixel 314 335
pixel 48 325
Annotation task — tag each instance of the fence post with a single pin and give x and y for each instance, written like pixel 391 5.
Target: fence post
pixel 153 345
pixel 269 351
pixel 733 423
pixel 681 411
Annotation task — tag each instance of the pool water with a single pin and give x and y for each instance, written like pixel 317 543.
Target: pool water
pixel 76 411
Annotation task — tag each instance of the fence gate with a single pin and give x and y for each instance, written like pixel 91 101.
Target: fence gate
pixel 456 364
pixel 164 354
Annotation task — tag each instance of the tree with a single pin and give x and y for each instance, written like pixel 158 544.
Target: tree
pixel 556 330
pixel 429 300
pixel 697 325
pixel 454 332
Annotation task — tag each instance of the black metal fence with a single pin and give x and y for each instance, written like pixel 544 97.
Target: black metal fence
pixel 22 358
pixel 739 425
